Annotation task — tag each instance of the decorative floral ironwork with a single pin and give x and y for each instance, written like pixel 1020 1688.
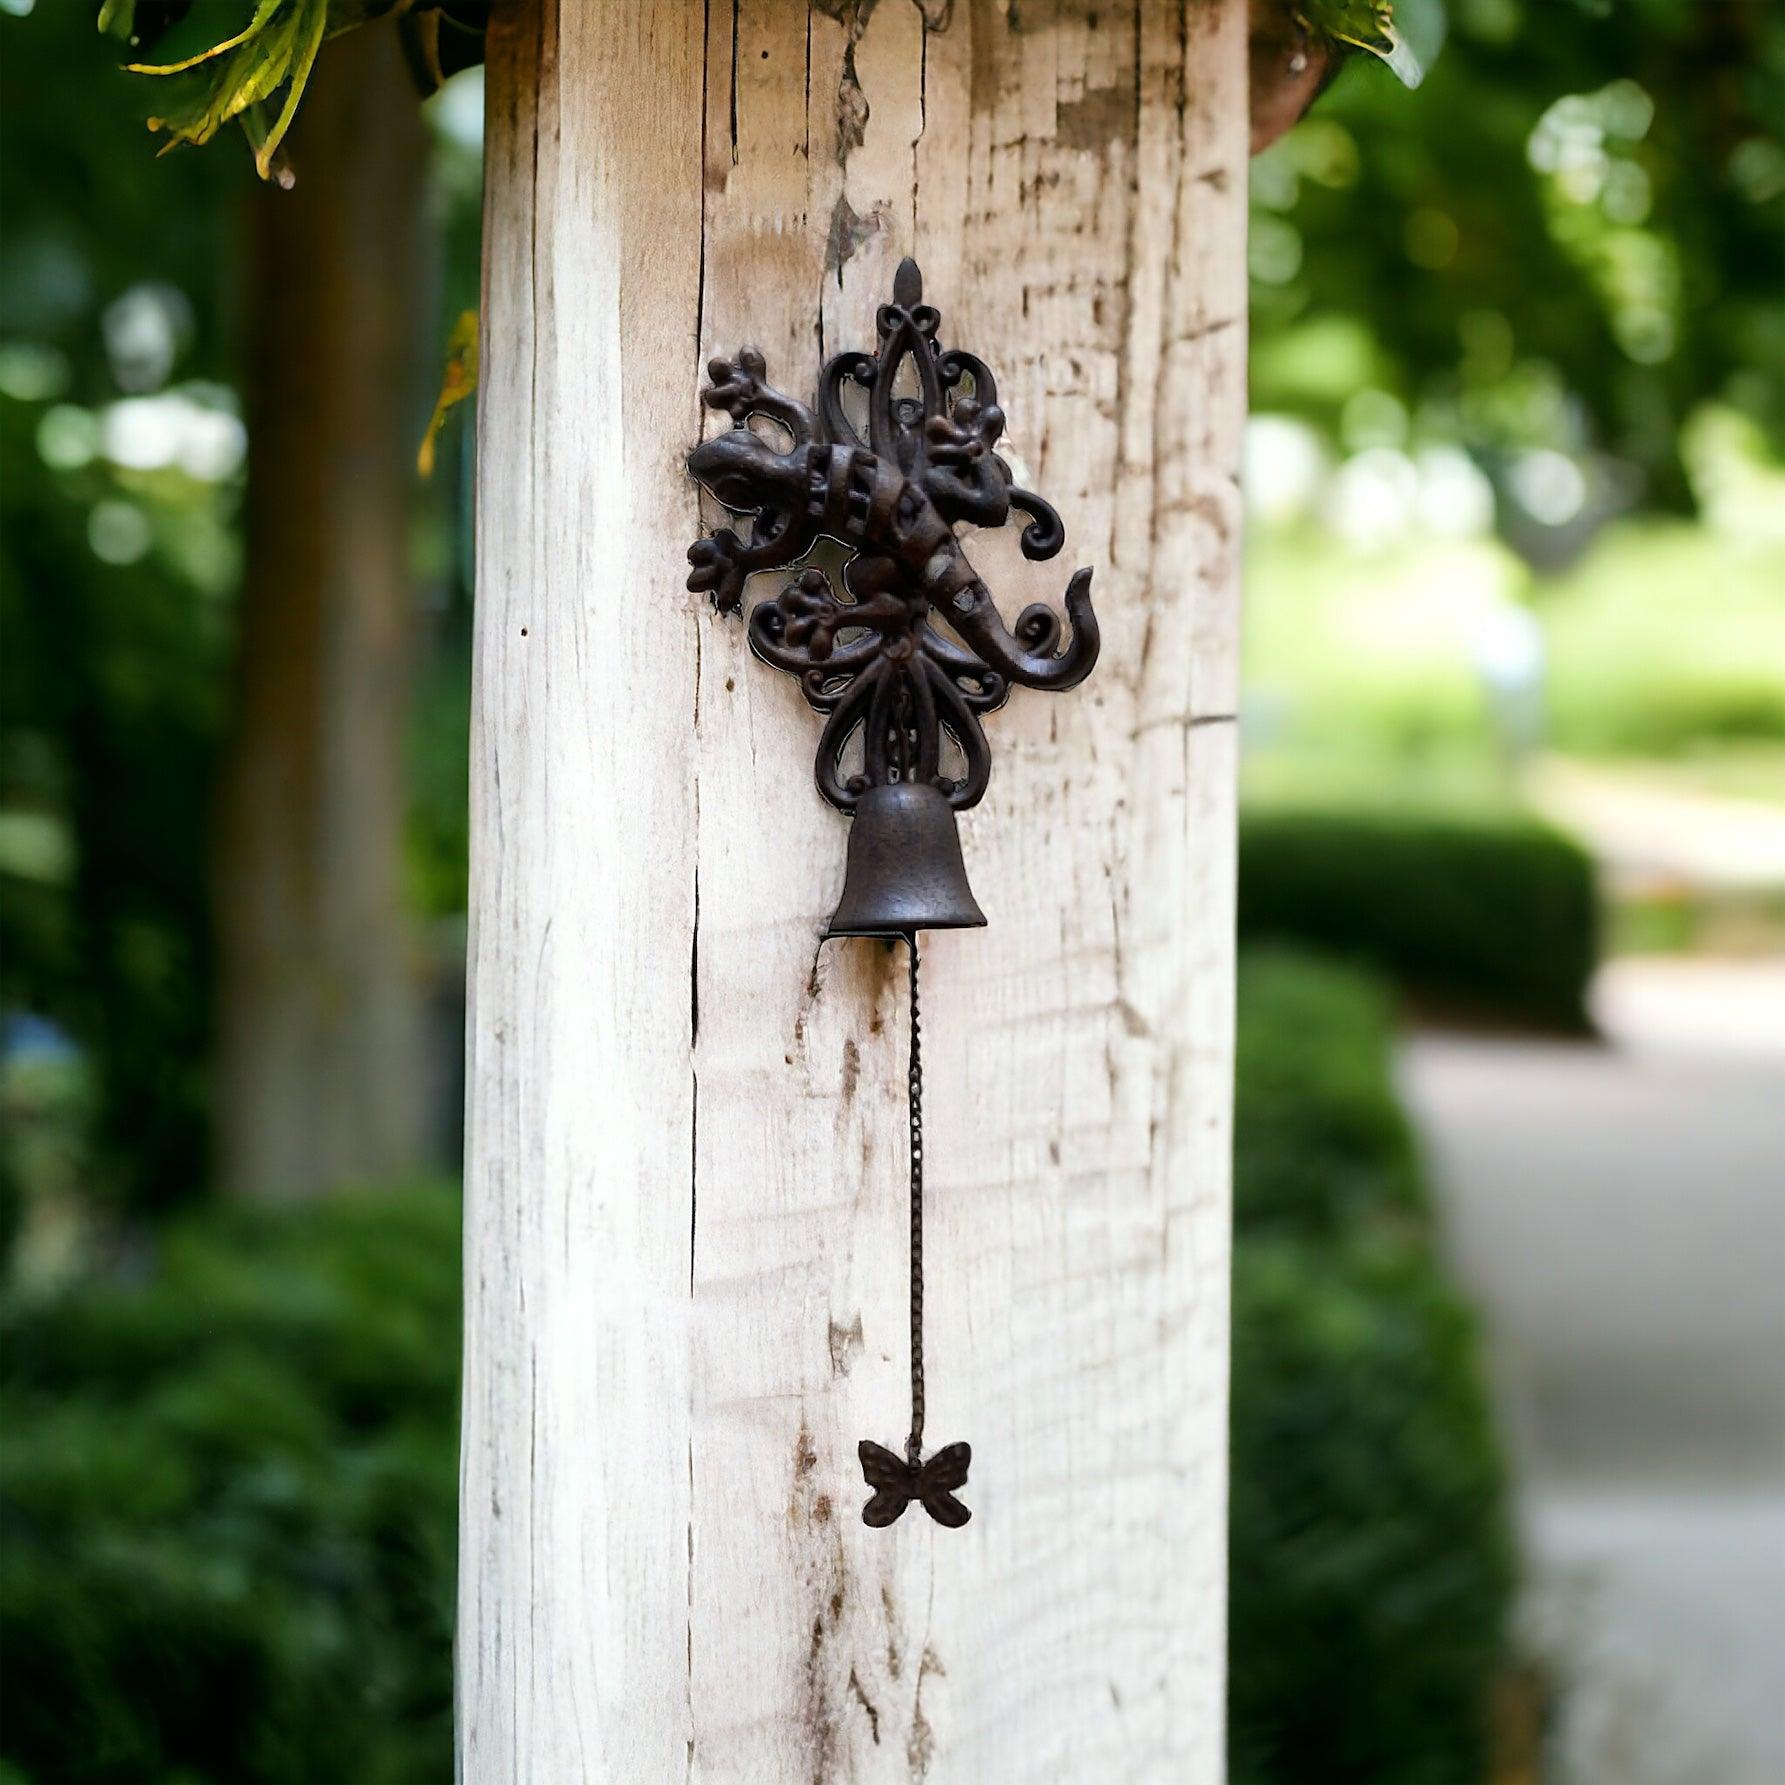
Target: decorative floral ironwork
pixel 871 657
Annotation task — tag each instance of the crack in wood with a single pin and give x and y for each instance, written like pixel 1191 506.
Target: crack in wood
pixel 849 231
pixel 867 1704
pixel 823 1696
pixel 920 1744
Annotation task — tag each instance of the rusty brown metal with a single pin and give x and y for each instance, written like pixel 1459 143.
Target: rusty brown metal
pixel 905 870
pixel 903 660
pixel 870 656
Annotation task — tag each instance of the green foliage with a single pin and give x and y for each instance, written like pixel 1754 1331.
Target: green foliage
pixel 228 1499
pixel 1321 1148
pixel 439 761
pixel 272 54
pixel 1664 636
pixel 1569 237
pixel 111 703
pixel 257 74
pixel 120 481
pixel 1371 1567
pixel 1482 914
pixel 1370 653
pixel 45 1116
pixel 118 484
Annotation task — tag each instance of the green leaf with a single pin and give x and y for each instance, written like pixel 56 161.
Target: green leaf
pixel 264 72
pixel 310 33
pixel 276 48
pixel 1366 25
pixel 263 11
pixel 457 382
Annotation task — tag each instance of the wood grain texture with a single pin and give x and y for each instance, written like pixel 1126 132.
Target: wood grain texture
pixel 685 1211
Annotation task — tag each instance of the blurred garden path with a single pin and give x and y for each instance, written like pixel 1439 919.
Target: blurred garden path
pixel 1618 1213
pixel 1650 833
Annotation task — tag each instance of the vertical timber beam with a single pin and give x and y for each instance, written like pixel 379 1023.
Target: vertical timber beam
pixel 573 1609
pixel 685 1217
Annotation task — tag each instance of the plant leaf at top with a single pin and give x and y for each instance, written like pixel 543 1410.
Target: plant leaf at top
pixel 263 11
pixel 1366 25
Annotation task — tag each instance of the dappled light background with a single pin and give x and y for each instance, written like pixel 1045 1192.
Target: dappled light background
pixel 1515 748
pixel 1508 1438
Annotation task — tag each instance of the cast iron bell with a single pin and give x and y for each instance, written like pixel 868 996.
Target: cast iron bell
pixel 905 869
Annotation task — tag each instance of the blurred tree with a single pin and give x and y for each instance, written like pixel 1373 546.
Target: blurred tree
pixel 1571 235
pixel 119 469
pixel 120 473
pixel 319 1014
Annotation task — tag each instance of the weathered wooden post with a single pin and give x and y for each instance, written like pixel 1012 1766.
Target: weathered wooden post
pixel 685 1218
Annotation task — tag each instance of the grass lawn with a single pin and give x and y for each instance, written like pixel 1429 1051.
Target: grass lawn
pixel 1664 644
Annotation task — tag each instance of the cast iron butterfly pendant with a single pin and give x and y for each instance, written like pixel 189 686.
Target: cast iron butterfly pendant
pixel 896 1483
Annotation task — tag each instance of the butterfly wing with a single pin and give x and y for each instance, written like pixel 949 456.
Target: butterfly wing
pixel 947 1469
pixel 880 1468
pixel 885 1507
pixel 944 1508
pixel 944 1472
pixel 890 1478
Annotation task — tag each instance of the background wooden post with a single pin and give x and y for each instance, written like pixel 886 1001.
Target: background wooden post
pixel 685 1212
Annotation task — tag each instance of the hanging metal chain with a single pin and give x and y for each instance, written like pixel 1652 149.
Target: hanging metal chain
pixel 896 1484
pixel 914 1084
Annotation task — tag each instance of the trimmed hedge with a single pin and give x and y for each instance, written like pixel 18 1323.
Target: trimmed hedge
pixel 1371 1567
pixel 1490 916
pixel 227 1499
pixel 1371 1562
pixel 1321 1147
